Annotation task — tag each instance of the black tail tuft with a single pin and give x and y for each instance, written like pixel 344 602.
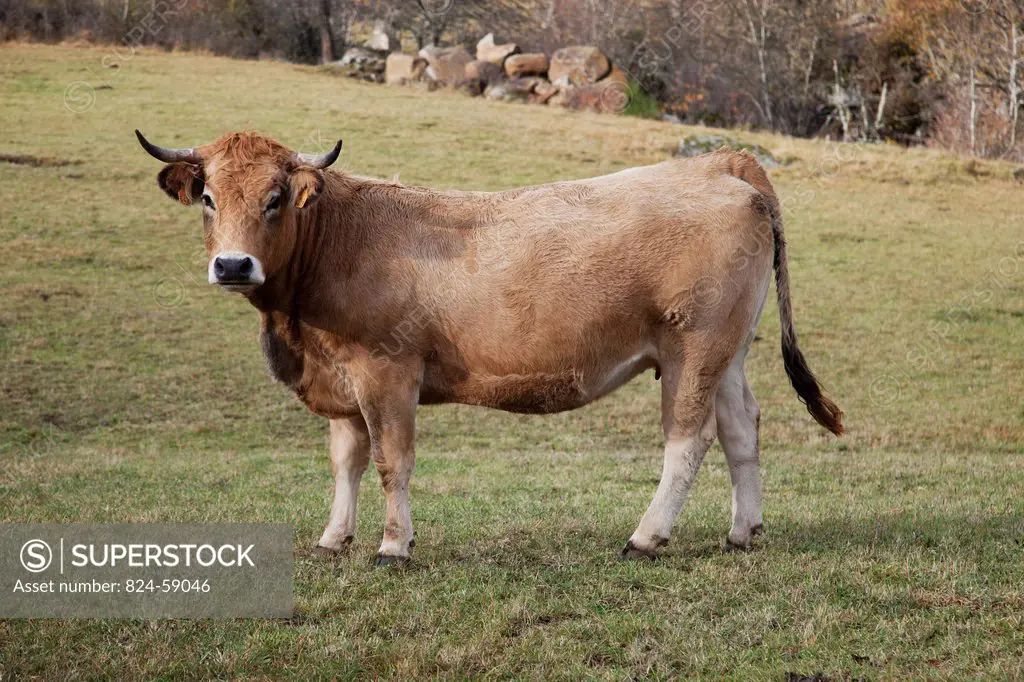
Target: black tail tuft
pixel 824 411
pixel 821 407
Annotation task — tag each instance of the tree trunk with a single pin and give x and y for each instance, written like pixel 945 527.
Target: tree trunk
pixel 759 38
pixel 839 101
pixel 126 15
pixel 549 16
pixel 326 36
pixel 1014 88
pixel 880 114
pixel 973 122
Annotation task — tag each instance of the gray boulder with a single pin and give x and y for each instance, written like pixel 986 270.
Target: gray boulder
pixel 696 145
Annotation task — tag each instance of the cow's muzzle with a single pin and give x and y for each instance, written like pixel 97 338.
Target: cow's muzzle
pixel 236 271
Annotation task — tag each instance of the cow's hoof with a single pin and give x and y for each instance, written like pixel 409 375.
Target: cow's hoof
pixel 325 552
pixel 631 551
pixel 732 546
pixel 389 559
pixel 329 553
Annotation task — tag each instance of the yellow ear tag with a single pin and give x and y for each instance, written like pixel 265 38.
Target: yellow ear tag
pixel 303 197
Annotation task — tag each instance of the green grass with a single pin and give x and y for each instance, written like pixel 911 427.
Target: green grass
pixel 641 103
pixel 132 393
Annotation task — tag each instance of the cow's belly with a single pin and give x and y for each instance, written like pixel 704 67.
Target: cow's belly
pixel 539 385
pixel 539 392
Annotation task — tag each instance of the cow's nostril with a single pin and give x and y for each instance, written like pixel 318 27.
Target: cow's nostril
pixel 218 267
pixel 245 267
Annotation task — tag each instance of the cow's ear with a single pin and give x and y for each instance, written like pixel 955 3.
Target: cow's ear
pixel 306 184
pixel 182 181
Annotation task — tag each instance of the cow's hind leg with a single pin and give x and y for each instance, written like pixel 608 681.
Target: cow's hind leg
pixel 738 419
pixel 350 455
pixel 689 382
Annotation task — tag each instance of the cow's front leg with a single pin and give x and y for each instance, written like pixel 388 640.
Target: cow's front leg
pixel 350 455
pixel 390 414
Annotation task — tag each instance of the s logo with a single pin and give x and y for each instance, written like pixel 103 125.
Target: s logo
pixel 36 556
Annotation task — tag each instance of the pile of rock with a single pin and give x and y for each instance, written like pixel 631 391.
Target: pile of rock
pixel 369 62
pixel 579 76
pixel 361 63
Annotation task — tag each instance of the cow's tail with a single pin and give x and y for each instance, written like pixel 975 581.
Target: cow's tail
pixel 821 407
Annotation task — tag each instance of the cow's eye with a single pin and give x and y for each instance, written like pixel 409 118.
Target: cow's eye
pixel 273 204
pixel 208 202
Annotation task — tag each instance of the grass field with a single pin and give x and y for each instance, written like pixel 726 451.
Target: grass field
pixel 134 392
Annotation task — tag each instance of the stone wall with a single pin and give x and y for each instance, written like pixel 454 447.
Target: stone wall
pixel 577 76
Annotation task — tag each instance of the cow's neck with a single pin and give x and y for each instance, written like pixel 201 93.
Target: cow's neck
pixel 340 234
pixel 299 291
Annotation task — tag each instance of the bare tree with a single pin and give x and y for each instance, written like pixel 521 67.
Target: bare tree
pixel 1002 63
pixel 756 15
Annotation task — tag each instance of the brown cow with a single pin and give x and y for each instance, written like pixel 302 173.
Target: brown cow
pixel 376 297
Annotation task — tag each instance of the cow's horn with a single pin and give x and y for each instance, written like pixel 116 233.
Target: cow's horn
pixel 169 155
pixel 321 160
